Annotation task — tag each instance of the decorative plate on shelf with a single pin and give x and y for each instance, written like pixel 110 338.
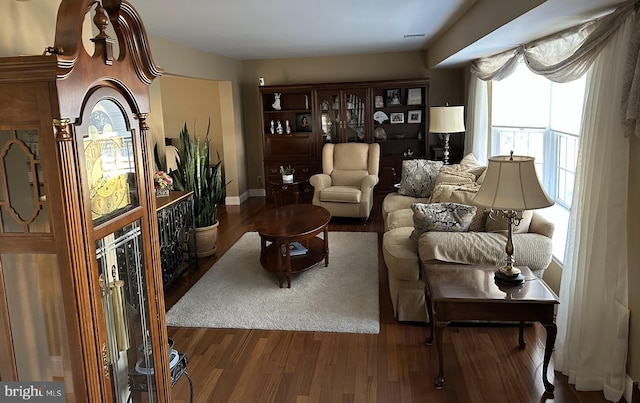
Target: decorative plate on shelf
pixel 380 134
pixel 380 117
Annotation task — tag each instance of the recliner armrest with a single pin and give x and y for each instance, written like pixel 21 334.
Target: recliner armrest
pixel 368 182
pixel 320 181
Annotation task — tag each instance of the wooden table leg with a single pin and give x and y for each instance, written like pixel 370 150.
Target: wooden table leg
pixel 326 246
pixel 552 330
pixel 432 322
pixel 439 382
pixel 280 264
pixel 521 341
pixel 288 264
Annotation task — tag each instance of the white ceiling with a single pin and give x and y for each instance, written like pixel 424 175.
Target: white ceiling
pixel 255 29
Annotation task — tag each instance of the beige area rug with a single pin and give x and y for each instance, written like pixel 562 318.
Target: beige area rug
pixel 238 293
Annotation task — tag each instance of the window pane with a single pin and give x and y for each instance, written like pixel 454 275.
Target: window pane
pixel 566 105
pixel 522 100
pixel 534 116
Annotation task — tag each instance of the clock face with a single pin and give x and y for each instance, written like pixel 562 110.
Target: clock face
pixel 100 120
pixel 110 163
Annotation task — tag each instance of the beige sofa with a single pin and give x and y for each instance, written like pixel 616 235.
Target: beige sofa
pixel 485 244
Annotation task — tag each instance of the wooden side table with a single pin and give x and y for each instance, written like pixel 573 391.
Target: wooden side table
pixel 279 189
pixel 456 292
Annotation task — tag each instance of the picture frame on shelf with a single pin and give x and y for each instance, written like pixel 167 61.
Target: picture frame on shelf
pixel 379 101
pixel 303 122
pixel 393 97
pixel 397 117
pixel 414 117
pixel 414 96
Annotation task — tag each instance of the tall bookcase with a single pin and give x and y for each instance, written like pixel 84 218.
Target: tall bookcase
pixel 393 113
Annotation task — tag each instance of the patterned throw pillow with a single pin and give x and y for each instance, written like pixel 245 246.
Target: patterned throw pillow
pixel 462 194
pixel 419 177
pixel 445 217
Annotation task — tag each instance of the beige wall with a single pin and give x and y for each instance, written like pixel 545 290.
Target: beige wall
pixel 178 60
pixel 484 17
pixel 444 85
pixel 27 28
pixel 194 102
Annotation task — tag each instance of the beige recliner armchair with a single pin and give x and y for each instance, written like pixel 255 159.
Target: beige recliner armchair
pixel 349 174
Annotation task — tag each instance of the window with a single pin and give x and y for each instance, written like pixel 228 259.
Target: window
pixel 537 117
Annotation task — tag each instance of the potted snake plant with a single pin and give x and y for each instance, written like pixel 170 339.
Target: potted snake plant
pixel 196 173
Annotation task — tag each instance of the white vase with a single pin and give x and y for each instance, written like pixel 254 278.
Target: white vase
pixel 287 178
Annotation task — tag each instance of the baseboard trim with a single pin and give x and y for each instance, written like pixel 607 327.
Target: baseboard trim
pixel 631 393
pixel 236 200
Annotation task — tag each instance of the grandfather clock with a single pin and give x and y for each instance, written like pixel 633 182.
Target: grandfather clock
pixel 81 302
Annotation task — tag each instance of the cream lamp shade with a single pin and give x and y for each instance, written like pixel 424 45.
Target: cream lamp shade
pixel 511 183
pixel 446 119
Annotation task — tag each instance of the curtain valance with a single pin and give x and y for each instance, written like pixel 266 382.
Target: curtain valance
pixel 567 55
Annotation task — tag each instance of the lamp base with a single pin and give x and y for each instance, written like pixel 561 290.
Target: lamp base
pixel 513 278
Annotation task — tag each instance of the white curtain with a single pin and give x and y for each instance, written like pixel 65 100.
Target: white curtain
pixel 477 125
pixel 593 315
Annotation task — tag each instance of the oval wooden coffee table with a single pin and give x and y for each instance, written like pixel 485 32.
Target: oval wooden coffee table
pixel 293 223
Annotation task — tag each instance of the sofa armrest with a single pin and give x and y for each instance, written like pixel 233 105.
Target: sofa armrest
pixel 540 225
pixel 398 219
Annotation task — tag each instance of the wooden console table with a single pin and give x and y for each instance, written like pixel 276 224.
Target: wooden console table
pixel 456 292
pixel 176 227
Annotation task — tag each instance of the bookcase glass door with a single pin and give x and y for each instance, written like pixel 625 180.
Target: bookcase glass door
pixel 343 115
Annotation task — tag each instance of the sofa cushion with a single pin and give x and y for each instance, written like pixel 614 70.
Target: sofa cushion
pixel 454 175
pixel 446 217
pixel 418 177
pixel 341 194
pixel 502 224
pixel 470 164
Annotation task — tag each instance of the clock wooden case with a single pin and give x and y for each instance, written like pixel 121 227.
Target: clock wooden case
pixel 81 300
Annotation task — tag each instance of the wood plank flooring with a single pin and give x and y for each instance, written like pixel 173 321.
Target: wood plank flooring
pixel 482 363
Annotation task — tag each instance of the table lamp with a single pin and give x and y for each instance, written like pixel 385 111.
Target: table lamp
pixel 511 186
pixel 445 120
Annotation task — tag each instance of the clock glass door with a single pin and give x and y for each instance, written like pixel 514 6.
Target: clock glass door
pixel 122 266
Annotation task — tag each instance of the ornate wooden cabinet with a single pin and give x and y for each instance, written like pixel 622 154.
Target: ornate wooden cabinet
pixel 393 113
pixel 81 301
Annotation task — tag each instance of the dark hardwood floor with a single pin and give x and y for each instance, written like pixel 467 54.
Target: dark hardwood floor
pixel 482 363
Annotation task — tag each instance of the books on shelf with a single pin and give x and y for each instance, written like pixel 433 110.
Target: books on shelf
pixel 295 249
